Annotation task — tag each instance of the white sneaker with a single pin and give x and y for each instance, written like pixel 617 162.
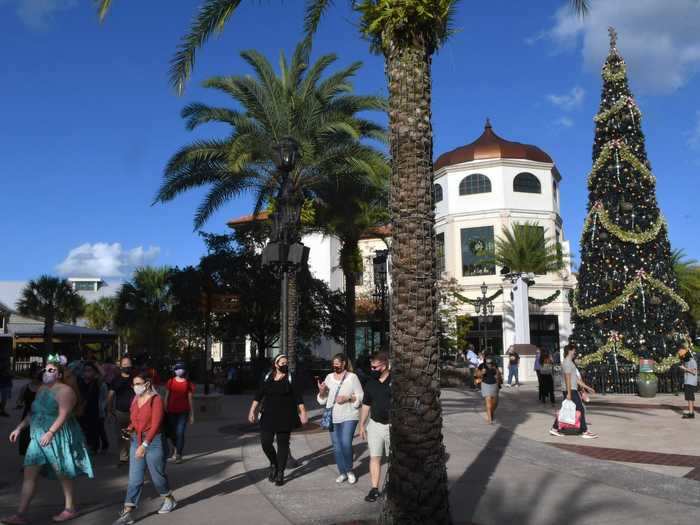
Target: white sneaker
pixel 351 478
pixel 341 478
pixel 555 432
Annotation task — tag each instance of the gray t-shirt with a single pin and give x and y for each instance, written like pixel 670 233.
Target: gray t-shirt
pixel 569 368
pixel 691 379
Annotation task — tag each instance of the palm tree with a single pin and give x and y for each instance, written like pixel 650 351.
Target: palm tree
pixel 319 113
pixel 52 299
pixel 143 308
pixel 407 32
pixel 688 274
pixel 347 210
pixel 523 248
pixel 100 314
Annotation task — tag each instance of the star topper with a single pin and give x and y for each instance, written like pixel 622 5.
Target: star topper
pixel 613 37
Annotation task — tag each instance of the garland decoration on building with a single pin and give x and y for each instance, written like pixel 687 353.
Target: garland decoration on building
pixel 621 104
pixel 614 346
pixel 624 152
pixel 474 302
pixel 624 235
pixel 627 292
pixel 545 301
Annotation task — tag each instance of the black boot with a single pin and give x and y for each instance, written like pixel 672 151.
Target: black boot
pixel 272 476
pixel 279 479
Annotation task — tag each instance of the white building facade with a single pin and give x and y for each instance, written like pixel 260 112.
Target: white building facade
pixel 482 189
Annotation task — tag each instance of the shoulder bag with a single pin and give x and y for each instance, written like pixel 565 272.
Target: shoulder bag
pixel 327 419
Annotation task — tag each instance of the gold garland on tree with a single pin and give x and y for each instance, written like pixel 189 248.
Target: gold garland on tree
pixel 623 235
pixel 628 291
pixel 618 106
pixel 625 154
pixel 614 345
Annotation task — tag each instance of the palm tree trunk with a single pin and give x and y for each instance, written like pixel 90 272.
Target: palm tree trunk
pixel 347 258
pixel 292 315
pixel 417 480
pixel 48 334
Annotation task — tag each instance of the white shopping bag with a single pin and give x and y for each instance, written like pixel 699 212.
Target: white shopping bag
pixel 567 412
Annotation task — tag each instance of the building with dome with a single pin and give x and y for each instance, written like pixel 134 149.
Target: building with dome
pixel 481 189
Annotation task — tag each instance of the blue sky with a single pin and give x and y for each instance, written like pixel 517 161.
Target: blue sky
pixel 89 119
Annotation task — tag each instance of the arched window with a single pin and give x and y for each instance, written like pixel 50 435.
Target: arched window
pixel 476 183
pixel 526 183
pixel 437 192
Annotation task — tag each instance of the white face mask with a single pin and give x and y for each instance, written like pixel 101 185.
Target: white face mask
pixel 139 389
pixel 49 378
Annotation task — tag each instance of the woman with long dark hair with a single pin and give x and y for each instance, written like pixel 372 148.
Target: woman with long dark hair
pixel 342 393
pixel 57 445
pixel 490 378
pixel 283 410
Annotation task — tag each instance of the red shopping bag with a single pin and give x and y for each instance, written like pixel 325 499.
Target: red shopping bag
pixel 571 427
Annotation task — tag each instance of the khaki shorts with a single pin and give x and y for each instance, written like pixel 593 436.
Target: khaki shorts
pixel 378 439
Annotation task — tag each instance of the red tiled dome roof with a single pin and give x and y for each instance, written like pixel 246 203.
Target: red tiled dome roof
pixel 491 146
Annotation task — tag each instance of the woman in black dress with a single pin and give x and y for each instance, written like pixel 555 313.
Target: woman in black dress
pixel 282 411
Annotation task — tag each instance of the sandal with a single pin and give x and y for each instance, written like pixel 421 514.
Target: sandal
pixel 65 515
pixel 15 519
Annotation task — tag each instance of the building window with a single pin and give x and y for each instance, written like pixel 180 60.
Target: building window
pixel 440 254
pixel 85 286
pixel 476 183
pixel 477 246
pixel 526 183
pixel 437 192
pixel 555 191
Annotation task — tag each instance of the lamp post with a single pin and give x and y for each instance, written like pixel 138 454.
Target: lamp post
pixel 379 264
pixel 484 309
pixel 284 253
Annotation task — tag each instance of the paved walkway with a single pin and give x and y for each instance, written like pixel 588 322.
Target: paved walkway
pixel 511 472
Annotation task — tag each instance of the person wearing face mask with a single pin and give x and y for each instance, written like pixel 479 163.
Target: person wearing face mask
pixel 148 449
pixel 342 392
pixel 283 410
pixel 57 445
pixel 119 399
pixel 89 420
pixel 179 407
pixel 376 406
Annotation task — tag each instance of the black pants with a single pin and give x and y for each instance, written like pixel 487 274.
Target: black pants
pixel 546 387
pixel 279 457
pixel 539 386
pixel 576 398
pixel 103 439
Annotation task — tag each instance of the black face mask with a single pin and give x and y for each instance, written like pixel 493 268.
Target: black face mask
pixel 338 369
pixel 284 368
pixel 375 374
pixel 126 370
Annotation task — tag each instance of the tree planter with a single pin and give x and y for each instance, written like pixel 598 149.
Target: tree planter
pixel 647 384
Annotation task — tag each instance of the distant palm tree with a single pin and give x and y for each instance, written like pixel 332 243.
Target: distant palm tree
pixel 319 113
pixel 143 308
pixel 523 248
pixel 349 210
pixel 100 314
pixel 52 299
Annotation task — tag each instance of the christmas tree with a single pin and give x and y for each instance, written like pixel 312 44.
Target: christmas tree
pixel 626 303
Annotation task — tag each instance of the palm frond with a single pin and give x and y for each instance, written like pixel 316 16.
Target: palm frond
pixel 315 9
pixel 196 114
pixel 220 193
pixel 581 7
pixel 102 8
pixel 211 18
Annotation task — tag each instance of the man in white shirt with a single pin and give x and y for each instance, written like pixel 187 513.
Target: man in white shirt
pixel 472 363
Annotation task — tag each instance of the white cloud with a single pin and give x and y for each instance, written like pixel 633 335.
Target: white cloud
pixel 660 41
pixel 570 100
pixel 694 135
pixel 565 122
pixel 36 14
pixel 105 260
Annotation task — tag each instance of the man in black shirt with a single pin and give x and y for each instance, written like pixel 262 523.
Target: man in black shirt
pixel 121 393
pixel 376 406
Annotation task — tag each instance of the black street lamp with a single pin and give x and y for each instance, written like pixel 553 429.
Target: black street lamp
pixel 484 309
pixel 381 287
pixel 285 253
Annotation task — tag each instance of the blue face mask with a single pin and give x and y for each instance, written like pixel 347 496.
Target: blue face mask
pixel 180 372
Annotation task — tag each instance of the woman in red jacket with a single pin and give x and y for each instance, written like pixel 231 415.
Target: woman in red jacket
pixel 148 449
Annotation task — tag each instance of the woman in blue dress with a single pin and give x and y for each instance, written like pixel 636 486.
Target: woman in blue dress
pixel 57 445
